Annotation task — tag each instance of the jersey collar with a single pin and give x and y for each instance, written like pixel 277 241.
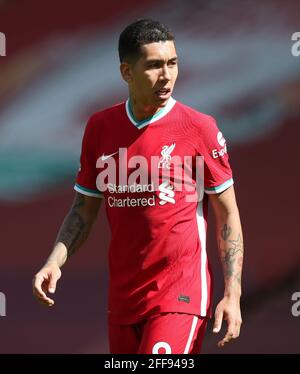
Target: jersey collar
pixel 157 116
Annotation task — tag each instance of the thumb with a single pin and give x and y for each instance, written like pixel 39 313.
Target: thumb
pixel 218 322
pixel 52 284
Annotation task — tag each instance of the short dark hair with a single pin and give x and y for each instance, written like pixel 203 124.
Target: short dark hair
pixel 139 33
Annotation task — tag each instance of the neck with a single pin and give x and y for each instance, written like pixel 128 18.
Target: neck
pixel 142 111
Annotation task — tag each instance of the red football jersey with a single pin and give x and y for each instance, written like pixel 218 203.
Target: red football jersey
pixel 157 256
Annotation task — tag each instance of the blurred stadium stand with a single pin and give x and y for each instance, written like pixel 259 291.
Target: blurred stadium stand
pixel 61 66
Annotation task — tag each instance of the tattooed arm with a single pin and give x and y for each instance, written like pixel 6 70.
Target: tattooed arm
pixel 72 234
pixel 75 228
pixel 231 250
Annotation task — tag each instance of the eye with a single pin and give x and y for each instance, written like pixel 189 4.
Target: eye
pixel 153 65
pixel 172 63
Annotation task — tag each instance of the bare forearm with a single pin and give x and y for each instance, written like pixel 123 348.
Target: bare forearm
pixel 73 232
pixel 58 255
pixel 231 251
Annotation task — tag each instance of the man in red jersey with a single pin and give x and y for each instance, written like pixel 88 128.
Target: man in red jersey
pixel 141 157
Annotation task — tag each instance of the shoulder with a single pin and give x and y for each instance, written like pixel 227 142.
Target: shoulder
pixel 100 117
pixel 202 122
pixel 100 122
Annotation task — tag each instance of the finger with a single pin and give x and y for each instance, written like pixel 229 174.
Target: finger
pixel 228 337
pixel 45 287
pixel 43 299
pixel 218 321
pixel 232 333
pixel 38 285
pixel 235 327
pixel 47 303
pixel 237 330
pixel 52 284
pixel 222 342
pixel 40 296
pixel 38 291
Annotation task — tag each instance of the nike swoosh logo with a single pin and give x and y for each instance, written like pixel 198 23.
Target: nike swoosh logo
pixel 105 157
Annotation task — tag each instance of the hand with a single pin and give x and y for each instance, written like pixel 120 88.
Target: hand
pixel 45 281
pixel 229 310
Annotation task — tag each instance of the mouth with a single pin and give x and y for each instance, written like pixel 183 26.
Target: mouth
pixel 163 92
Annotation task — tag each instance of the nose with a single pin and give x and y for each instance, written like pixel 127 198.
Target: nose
pixel 165 74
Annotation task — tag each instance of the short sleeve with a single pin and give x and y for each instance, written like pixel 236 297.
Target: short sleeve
pixel 217 170
pixel 87 173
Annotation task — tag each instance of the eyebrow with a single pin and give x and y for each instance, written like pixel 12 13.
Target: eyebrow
pixel 173 59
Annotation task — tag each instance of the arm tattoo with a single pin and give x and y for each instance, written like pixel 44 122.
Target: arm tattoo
pixel 225 232
pixel 232 254
pixel 236 246
pixel 75 229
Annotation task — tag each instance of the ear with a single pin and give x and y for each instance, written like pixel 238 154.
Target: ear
pixel 126 72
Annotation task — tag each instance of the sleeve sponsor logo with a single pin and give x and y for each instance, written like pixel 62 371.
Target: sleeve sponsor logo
pixel 220 152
